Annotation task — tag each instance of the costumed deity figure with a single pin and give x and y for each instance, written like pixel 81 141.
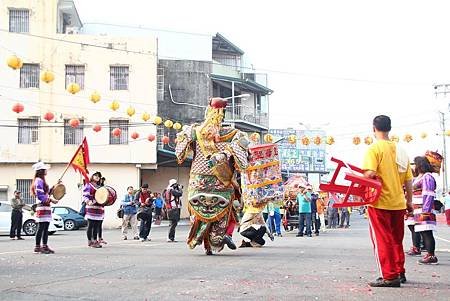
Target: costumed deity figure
pixel 219 154
pixel 261 183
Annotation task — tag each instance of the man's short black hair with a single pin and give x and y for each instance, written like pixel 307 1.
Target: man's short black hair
pixel 145 185
pixel 382 123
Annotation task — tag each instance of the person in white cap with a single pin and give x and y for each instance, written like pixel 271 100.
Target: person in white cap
pixel 172 198
pixel 41 191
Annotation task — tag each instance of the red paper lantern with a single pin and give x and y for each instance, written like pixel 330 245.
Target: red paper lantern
pixel 151 137
pixel 97 128
pixel 165 140
pixel 135 135
pixel 74 122
pixel 18 108
pixel 49 116
pixel 116 132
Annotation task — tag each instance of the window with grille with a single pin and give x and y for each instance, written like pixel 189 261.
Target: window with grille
pixel 24 185
pixel 28 131
pixel 121 124
pixel 119 77
pixel 75 74
pixel 73 135
pixel 19 20
pixel 29 76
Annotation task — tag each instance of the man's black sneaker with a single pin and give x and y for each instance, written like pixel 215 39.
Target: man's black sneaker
pixel 380 282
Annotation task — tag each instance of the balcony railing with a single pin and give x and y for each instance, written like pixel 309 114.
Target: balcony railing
pixel 247 114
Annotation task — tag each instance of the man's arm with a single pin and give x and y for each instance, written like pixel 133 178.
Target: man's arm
pixel 409 194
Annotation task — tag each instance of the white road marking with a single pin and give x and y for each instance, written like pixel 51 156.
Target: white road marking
pixel 443 239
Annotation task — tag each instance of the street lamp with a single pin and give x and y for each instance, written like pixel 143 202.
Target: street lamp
pixel 244 96
pixel 232 97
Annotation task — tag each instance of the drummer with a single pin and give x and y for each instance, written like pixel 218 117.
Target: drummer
pixel 94 212
pixel 41 191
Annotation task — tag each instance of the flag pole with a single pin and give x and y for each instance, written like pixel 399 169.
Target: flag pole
pixel 71 160
pixel 68 165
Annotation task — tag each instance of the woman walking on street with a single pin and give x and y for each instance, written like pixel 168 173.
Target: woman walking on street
pixel 424 218
pixel 41 191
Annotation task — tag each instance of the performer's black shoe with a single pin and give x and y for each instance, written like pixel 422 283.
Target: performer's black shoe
pixel 245 244
pixel 229 242
pixel 270 236
pixel 208 252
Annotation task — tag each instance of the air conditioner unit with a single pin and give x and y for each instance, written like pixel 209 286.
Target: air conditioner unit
pixel 72 30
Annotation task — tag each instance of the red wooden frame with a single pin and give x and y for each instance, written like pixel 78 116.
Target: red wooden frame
pixel 367 189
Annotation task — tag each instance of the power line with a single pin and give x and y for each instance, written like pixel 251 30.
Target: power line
pixel 256 70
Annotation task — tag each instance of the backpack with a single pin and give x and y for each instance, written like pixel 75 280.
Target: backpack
pixel 166 195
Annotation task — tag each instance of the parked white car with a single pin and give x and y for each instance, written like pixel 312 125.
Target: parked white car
pixel 29 226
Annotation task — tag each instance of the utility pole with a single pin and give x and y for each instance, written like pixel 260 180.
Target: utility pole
pixel 444 154
pixel 443 89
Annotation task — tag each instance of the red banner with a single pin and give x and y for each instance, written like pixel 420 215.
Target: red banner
pixel 80 160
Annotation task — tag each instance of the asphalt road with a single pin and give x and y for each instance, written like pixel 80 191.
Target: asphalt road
pixel 333 266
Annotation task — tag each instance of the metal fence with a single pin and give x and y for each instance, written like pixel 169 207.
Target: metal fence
pixel 247 113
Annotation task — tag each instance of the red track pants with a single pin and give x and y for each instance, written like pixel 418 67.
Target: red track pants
pixel 386 231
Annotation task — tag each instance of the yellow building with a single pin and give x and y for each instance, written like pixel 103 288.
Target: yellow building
pixel 44 34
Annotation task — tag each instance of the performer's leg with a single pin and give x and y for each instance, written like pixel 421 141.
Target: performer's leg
pixel 231 225
pixel 100 231
pixel 95 231
pixel 227 238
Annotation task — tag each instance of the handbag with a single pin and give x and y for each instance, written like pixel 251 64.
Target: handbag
pixel 144 212
pixel 120 212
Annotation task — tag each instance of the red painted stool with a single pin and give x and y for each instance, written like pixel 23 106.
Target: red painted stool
pixel 367 190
